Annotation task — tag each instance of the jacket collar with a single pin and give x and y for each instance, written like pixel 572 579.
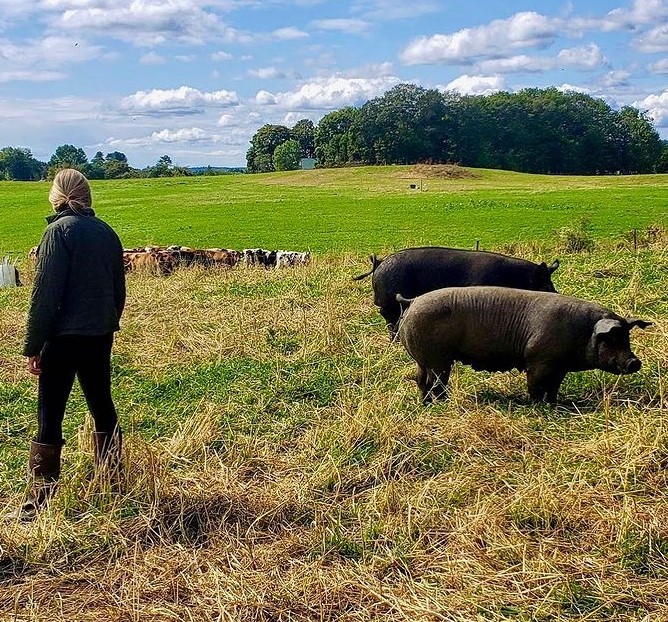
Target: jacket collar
pixel 66 212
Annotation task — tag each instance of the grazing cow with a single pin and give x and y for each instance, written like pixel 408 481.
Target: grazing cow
pixel 259 257
pixel 415 271
pixel 500 328
pixel 286 259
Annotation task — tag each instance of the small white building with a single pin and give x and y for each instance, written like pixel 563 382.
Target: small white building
pixel 307 164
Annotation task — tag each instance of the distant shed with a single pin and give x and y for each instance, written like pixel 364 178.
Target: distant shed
pixel 307 164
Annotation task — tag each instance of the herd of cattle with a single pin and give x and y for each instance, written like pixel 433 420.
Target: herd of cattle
pixel 163 260
pixel 494 313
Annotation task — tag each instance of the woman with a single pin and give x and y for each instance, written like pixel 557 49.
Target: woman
pixel 77 301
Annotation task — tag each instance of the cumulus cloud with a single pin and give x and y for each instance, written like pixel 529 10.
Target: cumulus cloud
pixel 183 100
pixel 656 107
pixel 350 26
pixel 656 40
pixel 147 22
pixel 586 57
pixel 516 64
pixel 475 85
pixel 328 93
pixel 288 34
pixel 522 30
pixel 184 135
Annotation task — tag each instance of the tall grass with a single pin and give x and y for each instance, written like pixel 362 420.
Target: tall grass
pixel 279 465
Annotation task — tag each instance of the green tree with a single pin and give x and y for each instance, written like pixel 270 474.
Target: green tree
pixel 259 158
pixel 303 132
pixel 68 156
pixel 332 138
pixel 19 164
pixel 286 156
pixel 643 143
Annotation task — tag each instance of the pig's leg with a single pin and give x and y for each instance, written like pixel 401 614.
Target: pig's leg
pixel 436 383
pixel 425 382
pixel 543 384
pixel 391 317
pixel 552 385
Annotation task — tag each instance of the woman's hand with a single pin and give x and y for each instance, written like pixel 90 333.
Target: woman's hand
pixel 35 365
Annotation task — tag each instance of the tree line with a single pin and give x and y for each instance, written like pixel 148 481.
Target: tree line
pixel 532 131
pixel 17 163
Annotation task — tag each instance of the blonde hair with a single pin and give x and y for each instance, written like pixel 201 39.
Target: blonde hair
pixel 70 189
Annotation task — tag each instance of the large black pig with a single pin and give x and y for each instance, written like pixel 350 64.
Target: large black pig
pixel 415 271
pixel 498 329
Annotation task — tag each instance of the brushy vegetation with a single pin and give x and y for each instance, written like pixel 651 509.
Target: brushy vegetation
pixel 280 467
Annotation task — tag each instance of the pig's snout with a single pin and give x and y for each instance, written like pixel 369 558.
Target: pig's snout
pixel 632 365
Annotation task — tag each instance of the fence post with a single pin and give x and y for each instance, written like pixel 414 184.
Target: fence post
pixel 635 239
pixel 477 245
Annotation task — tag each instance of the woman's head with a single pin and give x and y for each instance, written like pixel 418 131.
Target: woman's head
pixel 71 190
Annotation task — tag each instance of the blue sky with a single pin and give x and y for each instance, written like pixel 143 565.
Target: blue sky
pixel 194 79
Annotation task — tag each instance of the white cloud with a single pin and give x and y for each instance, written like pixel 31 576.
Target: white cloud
pixel 146 22
pixel 184 135
pixel 586 57
pixel 350 26
pixel 660 66
pixel 526 29
pixel 656 106
pixel 266 73
pixel 616 78
pixel 516 64
pixel 183 100
pixel 152 58
pixel 571 88
pixel 328 93
pixel 288 34
pixel 642 12
pixel 226 120
pixel 386 10
pixel 656 40
pixel 44 59
pixel 221 56
pixel 475 85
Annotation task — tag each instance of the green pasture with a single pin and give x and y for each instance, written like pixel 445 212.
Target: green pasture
pixel 356 209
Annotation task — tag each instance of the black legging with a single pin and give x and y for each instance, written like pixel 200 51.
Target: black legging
pixel 63 358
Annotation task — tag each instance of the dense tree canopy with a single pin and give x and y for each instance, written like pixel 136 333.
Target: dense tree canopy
pixel 533 130
pixel 19 164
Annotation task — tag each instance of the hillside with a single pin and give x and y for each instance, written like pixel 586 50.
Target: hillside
pixel 349 210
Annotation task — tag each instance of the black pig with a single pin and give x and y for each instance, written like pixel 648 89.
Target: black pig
pixel 498 329
pixel 415 271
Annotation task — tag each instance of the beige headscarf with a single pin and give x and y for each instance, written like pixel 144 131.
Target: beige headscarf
pixel 71 190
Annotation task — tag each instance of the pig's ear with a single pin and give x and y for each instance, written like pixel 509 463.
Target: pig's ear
pixel 551 268
pixel 634 321
pixel 604 327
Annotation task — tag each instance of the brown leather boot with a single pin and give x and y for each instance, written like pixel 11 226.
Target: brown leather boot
pixel 108 456
pixel 44 471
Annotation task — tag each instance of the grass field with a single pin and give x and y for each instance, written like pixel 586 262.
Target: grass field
pixel 279 465
pixel 356 210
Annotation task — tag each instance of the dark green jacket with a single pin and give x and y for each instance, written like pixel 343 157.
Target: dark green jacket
pixel 79 286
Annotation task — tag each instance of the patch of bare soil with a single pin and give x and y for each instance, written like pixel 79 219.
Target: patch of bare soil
pixel 437 171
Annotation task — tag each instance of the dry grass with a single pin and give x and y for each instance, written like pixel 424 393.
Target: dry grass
pixel 279 467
